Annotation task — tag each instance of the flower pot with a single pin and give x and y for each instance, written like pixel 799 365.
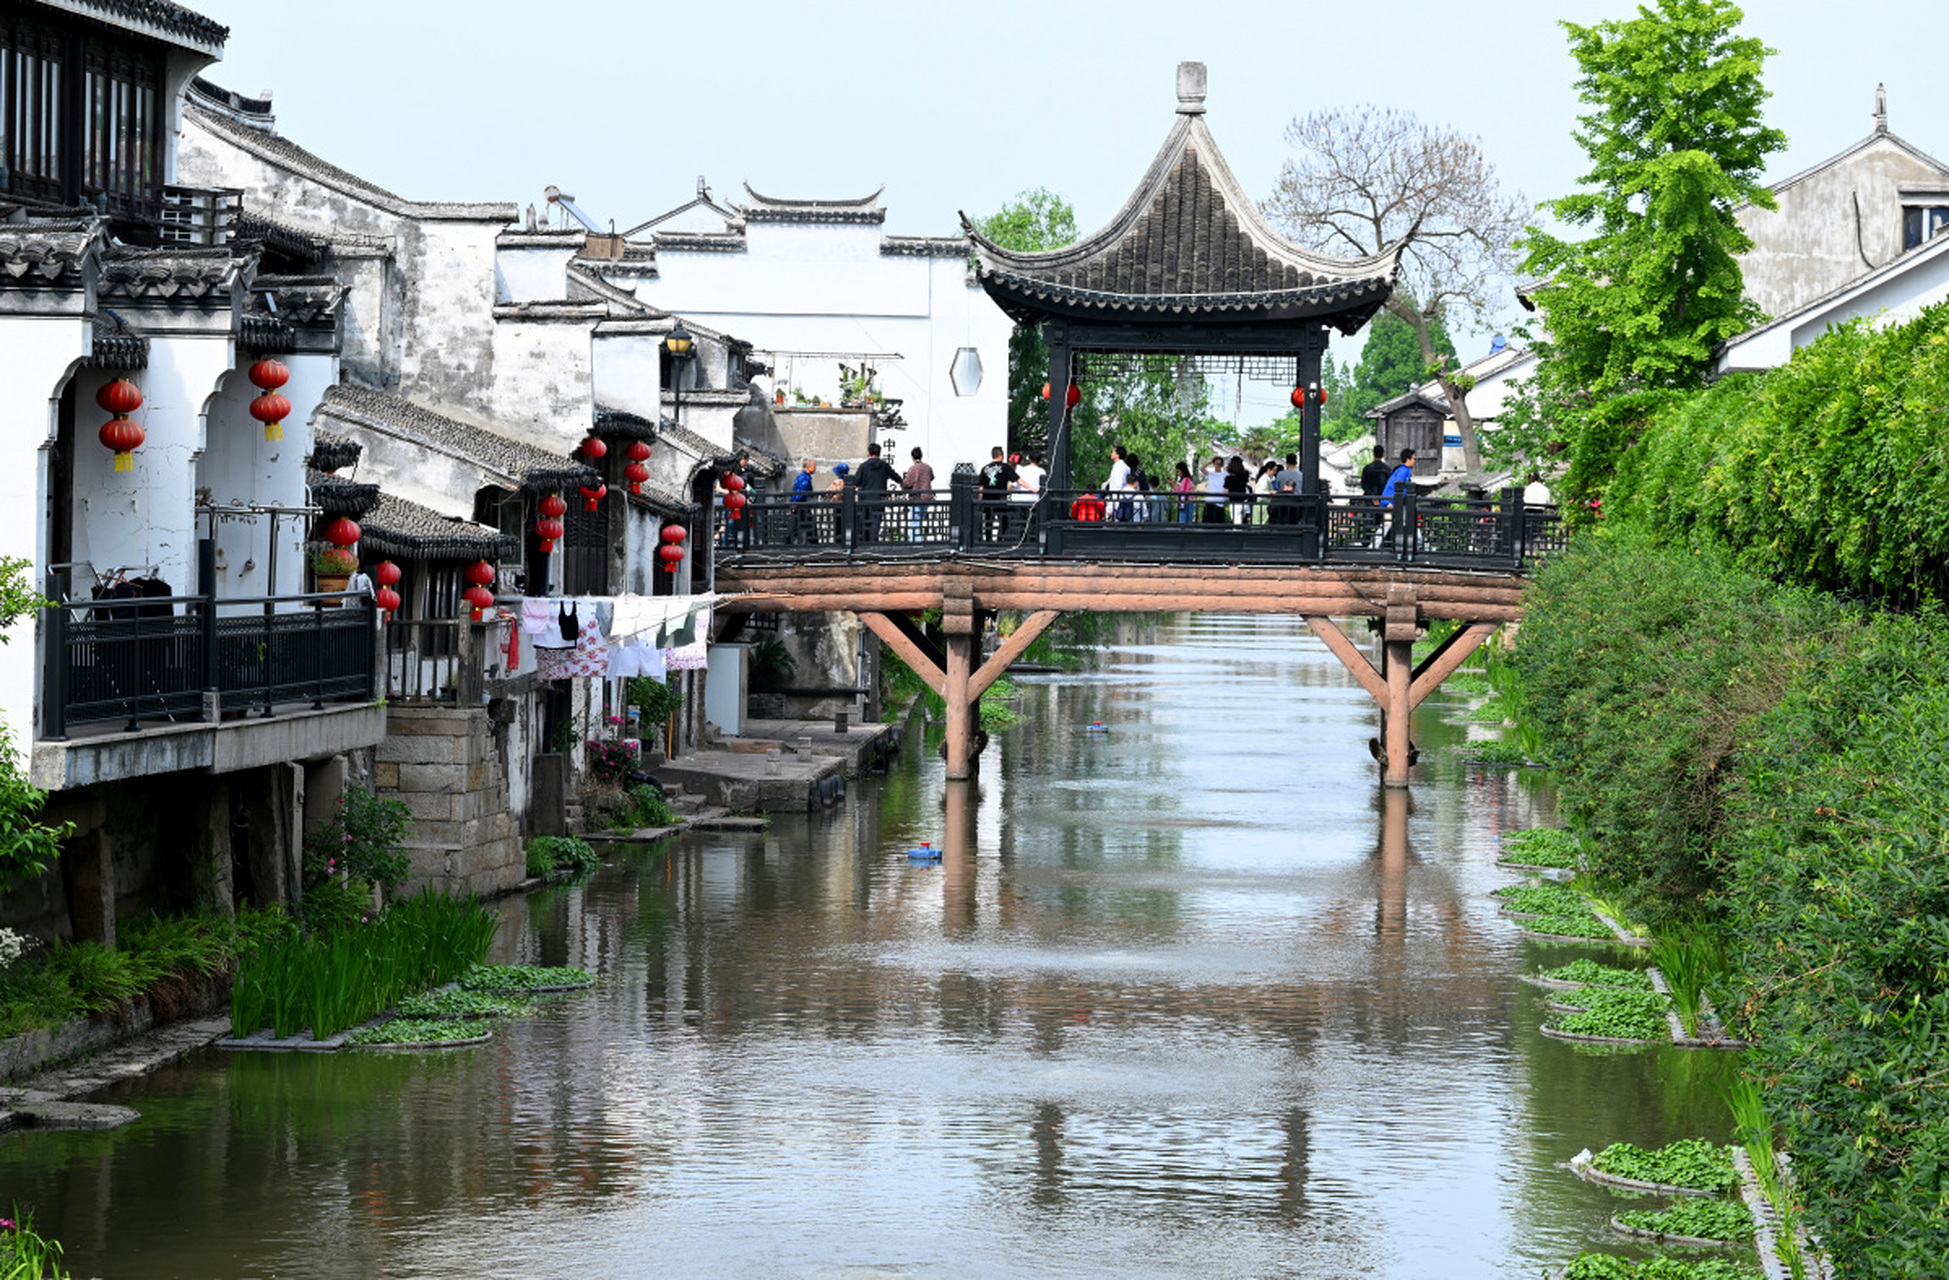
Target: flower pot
pixel 331 582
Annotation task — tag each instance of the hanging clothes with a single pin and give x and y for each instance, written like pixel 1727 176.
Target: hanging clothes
pixel 588 659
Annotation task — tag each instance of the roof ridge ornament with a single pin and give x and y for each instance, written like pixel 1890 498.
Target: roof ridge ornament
pixel 1881 108
pixel 1191 88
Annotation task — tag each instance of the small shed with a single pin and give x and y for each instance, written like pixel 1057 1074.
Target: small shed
pixel 1413 420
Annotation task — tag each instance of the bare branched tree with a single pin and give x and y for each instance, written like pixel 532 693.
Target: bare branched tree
pixel 1363 178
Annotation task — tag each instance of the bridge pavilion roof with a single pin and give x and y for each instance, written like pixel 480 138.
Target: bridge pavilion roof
pixel 1188 247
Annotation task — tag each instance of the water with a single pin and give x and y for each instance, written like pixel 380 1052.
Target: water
pixel 1189 997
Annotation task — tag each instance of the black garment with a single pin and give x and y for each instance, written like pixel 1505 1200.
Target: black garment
pixel 875 476
pixel 996 476
pixel 1373 477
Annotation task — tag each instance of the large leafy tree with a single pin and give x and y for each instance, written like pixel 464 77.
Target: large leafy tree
pixel 1633 307
pixel 1362 179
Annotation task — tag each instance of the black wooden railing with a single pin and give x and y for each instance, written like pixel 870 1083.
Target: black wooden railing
pixel 186 658
pixel 1501 533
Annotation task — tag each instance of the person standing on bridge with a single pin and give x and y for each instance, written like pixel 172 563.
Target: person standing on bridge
pixel 919 484
pixel 1118 481
pixel 1285 502
pixel 1214 512
pixel 876 476
pixel 996 479
pixel 802 527
pixel 1399 482
pixel 1184 486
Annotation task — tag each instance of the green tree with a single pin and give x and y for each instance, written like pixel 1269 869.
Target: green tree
pixel 1034 222
pixel 27 845
pixel 1633 309
pixel 1391 362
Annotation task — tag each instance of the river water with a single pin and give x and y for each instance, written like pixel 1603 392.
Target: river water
pixel 1186 996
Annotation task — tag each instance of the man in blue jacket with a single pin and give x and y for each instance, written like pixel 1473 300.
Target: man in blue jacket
pixel 1398 483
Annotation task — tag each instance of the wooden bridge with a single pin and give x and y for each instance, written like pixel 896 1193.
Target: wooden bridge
pixel 889 559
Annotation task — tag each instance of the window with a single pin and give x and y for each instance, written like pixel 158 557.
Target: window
pixel 1920 222
pixel 80 115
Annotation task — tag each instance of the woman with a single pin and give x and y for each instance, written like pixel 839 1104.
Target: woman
pixel 1238 489
pixel 1184 486
pixel 1264 485
pixel 1214 492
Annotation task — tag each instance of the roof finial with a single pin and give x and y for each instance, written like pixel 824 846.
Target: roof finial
pixel 1191 88
pixel 1881 108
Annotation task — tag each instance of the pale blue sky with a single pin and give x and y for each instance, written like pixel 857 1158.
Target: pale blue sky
pixel 962 107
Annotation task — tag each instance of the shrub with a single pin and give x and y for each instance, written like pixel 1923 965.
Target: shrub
pixel 541 863
pixel 609 760
pixel 561 851
pixel 362 843
pixel 644 806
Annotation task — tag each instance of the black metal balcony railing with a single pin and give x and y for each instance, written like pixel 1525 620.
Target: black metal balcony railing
pixel 1500 533
pixel 183 657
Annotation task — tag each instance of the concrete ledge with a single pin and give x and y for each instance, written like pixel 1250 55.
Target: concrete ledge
pixel 224 747
pixel 735 780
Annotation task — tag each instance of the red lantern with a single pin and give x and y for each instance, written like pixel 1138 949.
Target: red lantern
pixel 386 598
pixel 480 573
pixel 637 451
pixel 480 598
pixel 636 473
pixel 271 409
pixel 550 531
pixel 672 555
pixel 673 533
pixel 121 436
pixel 269 375
pixel 733 481
pixel 594 449
pixel 592 496
pixel 1299 397
pixel 1045 391
pixel 124 437
pixel 553 507
pixel 386 574
pixel 120 397
pixel 1074 396
pixel 341 532
pixel 1321 393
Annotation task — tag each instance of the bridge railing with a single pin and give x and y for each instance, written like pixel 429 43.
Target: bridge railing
pixel 1491 533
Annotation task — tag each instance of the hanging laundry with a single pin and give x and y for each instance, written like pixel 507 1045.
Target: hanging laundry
pixel 690 657
pixel 589 658
pixel 538 616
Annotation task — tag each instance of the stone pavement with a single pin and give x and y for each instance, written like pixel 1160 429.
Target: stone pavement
pixel 51 1100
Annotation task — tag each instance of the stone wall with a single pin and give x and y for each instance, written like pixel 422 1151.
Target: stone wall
pixel 442 762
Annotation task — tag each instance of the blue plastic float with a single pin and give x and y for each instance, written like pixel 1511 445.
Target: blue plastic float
pixel 925 853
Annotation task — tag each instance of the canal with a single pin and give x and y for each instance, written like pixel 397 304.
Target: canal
pixel 1186 995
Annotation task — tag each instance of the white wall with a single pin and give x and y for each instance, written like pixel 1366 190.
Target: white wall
pixel 239 466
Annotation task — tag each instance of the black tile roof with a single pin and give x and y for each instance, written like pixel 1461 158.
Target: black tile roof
pixel 1189 245
pixel 763 208
pixel 502 459
pixel 173 18
pixel 397 528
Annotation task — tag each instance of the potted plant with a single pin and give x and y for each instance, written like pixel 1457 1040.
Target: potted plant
pixel 332 567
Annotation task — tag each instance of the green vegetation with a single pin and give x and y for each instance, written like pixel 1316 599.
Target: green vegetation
pixel 641 806
pixel 1541 847
pixel 416 1031
pixel 1494 711
pixel 550 852
pixel 1690 959
pixel 360 848
pixel 1577 926
pixel 161 960
pixel 1690 1162
pixel 1543 899
pixel 1691 1216
pixel 455 1002
pixel 330 982
pixel 26 1254
pixel 1623 1014
pixel 1601 975
pixel 1604 1266
pixel 522 977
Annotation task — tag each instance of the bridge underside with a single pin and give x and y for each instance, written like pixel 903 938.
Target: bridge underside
pixel 969 594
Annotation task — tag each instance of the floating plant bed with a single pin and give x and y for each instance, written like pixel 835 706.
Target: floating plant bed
pixel 1604 1266
pixel 1616 1016
pixel 1576 1037
pixel 1714 1223
pixel 525 978
pixel 410 1034
pixel 1688 1167
pixel 1561 928
pixel 1535 868
pixel 451 1002
pixel 1589 973
pixel 1542 848
pixel 1624 935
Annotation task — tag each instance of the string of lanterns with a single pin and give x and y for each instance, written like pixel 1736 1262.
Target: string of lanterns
pixel 734 498
pixel 120 434
pixel 549 528
pixel 1071 398
pixel 270 408
pixel 480 573
pixel 636 472
pixel 671 553
pixel 387 575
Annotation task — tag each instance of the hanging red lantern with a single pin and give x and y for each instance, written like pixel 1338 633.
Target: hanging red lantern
pixel 1074 396
pixel 124 437
pixel 636 473
pixel 386 573
pixel 119 435
pixel 271 409
pixel 387 599
pixel 120 397
pixel 733 481
pixel 637 451
pixel 480 599
pixel 341 532
pixel 594 449
pixel 553 507
pixel 673 533
pixel 1321 393
pixel 1045 391
pixel 592 496
pixel 734 503
pixel 671 554
pixel 269 375
pixel 549 530
pixel 480 573
pixel 1299 397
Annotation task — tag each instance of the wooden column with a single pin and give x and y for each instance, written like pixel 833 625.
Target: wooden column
pixel 960 633
pixel 1397 713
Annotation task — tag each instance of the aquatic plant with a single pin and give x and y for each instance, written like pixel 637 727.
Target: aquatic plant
pixel 417 1031
pixel 1542 847
pixel 521 977
pixel 1543 899
pixel 1578 926
pixel 26 1254
pixel 1693 1163
pixel 1691 1216
pixel 572 852
pixel 1605 1266
pixel 1501 753
pixel 1622 1014
pixel 456 1002
pixel 1601 975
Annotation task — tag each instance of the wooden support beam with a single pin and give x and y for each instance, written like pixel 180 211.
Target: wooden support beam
pixel 928 667
pixel 1358 665
pixel 960 707
pixel 921 640
pixel 1397 712
pixel 1011 649
pixel 1441 664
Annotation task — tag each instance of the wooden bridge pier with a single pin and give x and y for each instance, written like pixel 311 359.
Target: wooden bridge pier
pixel 885 595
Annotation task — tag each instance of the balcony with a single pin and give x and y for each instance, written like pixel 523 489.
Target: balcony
pixel 146 686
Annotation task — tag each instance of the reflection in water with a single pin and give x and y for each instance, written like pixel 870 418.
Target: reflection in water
pixel 1195 996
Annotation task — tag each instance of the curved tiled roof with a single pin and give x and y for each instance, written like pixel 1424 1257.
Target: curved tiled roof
pixel 1188 245
pixel 500 458
pixel 159 16
pixel 50 252
pixel 171 272
pixel 406 530
pixel 763 208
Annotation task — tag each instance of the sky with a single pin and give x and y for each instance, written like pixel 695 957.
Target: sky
pixel 963 107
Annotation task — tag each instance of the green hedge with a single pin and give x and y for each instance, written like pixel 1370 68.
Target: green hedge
pixel 1829 471
pixel 1778 762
